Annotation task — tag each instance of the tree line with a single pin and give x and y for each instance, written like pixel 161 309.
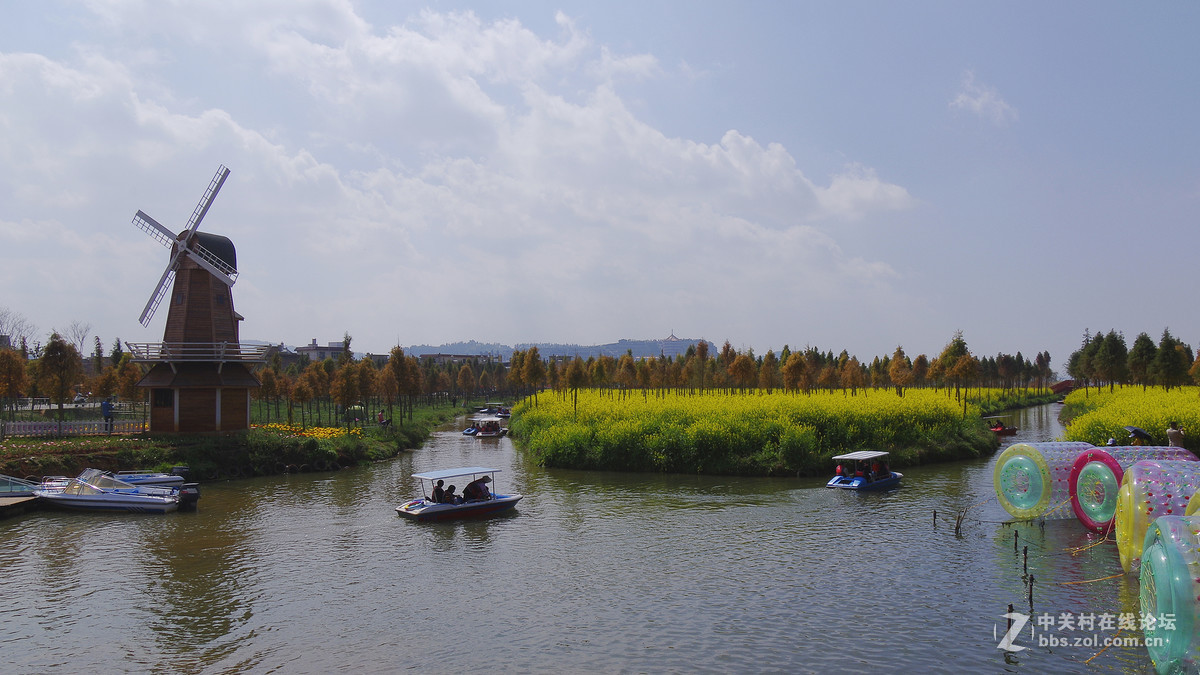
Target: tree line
pixel 344 389
pixel 1105 359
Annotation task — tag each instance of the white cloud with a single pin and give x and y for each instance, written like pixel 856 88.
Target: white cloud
pixel 984 101
pixel 451 156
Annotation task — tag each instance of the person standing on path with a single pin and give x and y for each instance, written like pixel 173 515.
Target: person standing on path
pixel 106 409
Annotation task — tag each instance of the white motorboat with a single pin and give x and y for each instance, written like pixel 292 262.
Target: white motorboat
pixel 96 490
pixel 427 508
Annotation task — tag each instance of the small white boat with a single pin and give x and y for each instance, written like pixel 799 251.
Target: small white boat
pixel 96 490
pixel 425 508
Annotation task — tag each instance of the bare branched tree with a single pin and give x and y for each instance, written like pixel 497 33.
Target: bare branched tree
pixel 15 326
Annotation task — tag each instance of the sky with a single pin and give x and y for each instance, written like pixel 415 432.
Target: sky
pixel 842 175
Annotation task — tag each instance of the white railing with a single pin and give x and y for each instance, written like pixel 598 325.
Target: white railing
pixel 154 352
pixel 72 428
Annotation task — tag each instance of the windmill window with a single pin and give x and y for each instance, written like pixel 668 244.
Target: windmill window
pixel 179 298
pixel 220 300
pixel 164 398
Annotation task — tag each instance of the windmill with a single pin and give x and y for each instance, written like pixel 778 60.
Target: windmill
pixel 199 380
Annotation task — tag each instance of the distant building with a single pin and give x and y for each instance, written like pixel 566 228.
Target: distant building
pixel 449 359
pixel 316 352
pixel 672 346
pixel 5 342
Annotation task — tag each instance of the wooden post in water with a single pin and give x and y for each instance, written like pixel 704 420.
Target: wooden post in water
pixel 1031 592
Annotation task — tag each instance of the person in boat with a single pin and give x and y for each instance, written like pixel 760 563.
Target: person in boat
pixel 439 493
pixel 450 497
pixel 840 471
pixel 477 489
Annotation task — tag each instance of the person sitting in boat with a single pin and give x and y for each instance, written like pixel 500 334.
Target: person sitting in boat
pixel 840 471
pixel 439 494
pixel 450 497
pixel 477 489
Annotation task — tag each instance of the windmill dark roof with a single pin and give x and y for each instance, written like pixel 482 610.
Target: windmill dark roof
pixel 219 246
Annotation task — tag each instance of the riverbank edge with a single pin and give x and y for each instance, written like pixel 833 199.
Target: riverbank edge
pixel 212 457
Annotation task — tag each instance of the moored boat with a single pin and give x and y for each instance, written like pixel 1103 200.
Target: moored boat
pixel 96 490
pixel 864 470
pixel 10 486
pixel 427 508
pixel 177 476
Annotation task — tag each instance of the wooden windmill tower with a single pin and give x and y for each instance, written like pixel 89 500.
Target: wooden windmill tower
pixel 200 378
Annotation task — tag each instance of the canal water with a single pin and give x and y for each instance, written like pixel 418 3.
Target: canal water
pixel 593 572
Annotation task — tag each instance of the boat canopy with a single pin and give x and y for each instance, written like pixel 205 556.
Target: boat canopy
pixel 863 455
pixel 12 485
pixel 454 473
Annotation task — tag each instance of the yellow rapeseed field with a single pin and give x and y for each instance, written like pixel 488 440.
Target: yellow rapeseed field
pixel 1106 414
pixel 752 433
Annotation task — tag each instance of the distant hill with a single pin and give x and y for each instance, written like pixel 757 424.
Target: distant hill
pixel 669 346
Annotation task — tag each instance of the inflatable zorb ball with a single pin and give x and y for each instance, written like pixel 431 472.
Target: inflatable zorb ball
pixel 1096 478
pixel 1031 479
pixel 1149 489
pixel 1170 586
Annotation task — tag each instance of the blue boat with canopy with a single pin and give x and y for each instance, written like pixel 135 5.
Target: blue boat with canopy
pixel 863 470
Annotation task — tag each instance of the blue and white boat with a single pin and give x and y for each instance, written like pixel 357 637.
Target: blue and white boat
pixel 488 427
pixel 177 477
pixel 96 490
pixel 864 470
pixel 425 508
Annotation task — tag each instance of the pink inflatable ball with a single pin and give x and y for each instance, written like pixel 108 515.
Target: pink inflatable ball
pixel 1149 489
pixel 1096 479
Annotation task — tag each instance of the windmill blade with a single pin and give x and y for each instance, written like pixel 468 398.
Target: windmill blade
pixel 209 261
pixel 159 291
pixel 154 229
pixel 206 201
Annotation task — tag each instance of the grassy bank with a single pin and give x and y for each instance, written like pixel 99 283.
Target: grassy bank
pixel 745 434
pixel 263 450
pixel 1096 415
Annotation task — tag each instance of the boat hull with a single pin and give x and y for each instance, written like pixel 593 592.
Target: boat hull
pixel 144 504
pixel 861 484
pixel 422 510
